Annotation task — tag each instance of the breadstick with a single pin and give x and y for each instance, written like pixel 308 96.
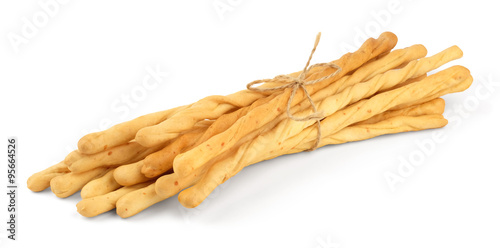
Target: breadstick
pixel 134 202
pixel 122 154
pixel 68 184
pixel 396 124
pixel 130 174
pixel 435 106
pixel 432 109
pixel 190 160
pixel 171 184
pixel 96 205
pixel 187 162
pixel 409 81
pixel 225 169
pixel 453 79
pixel 160 162
pixel 166 155
pixel 170 128
pixel 122 133
pixel 73 157
pixel 41 180
pixel 168 185
pixel 393 60
pixel 100 186
pixel 438 84
pixel 365 72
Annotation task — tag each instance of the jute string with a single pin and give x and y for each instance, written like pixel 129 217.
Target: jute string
pixel 299 82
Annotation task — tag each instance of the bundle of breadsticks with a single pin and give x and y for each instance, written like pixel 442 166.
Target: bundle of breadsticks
pixel 190 150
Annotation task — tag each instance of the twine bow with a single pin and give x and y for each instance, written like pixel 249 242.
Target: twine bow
pixel 299 82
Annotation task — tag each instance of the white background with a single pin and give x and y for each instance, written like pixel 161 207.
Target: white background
pixel 73 74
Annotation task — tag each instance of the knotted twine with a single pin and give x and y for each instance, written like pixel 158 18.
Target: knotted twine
pixel 299 82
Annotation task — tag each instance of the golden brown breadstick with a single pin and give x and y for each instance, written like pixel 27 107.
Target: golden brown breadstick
pixel 170 128
pixel 134 202
pixel 454 78
pixel 396 124
pixel 409 81
pixel 169 185
pixel 41 180
pixel 68 184
pixel 160 162
pixel 73 157
pixel 122 154
pixel 196 157
pixel 367 71
pixel 122 133
pixel 96 205
pixel 130 174
pixel 225 169
pixel 100 186
pixel 435 106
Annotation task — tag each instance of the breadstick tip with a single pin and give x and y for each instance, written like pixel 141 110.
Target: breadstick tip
pixel 389 36
pixel 35 185
pixel 84 145
pixel 187 200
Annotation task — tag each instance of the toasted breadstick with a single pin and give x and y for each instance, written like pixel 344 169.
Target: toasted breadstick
pixel 396 57
pixel 396 124
pixel 453 79
pixel 41 180
pixel 100 186
pixel 225 169
pixel 171 184
pixel 193 196
pixel 68 184
pixel 196 157
pixel 170 128
pixel 96 205
pixel 73 157
pixel 168 185
pixel 130 174
pixel 438 84
pixel 435 106
pixel 409 81
pixel 365 72
pixel 187 162
pixel 160 162
pixel 122 133
pixel 134 202
pixel 122 154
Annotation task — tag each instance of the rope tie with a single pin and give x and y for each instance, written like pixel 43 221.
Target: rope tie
pixel 299 82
